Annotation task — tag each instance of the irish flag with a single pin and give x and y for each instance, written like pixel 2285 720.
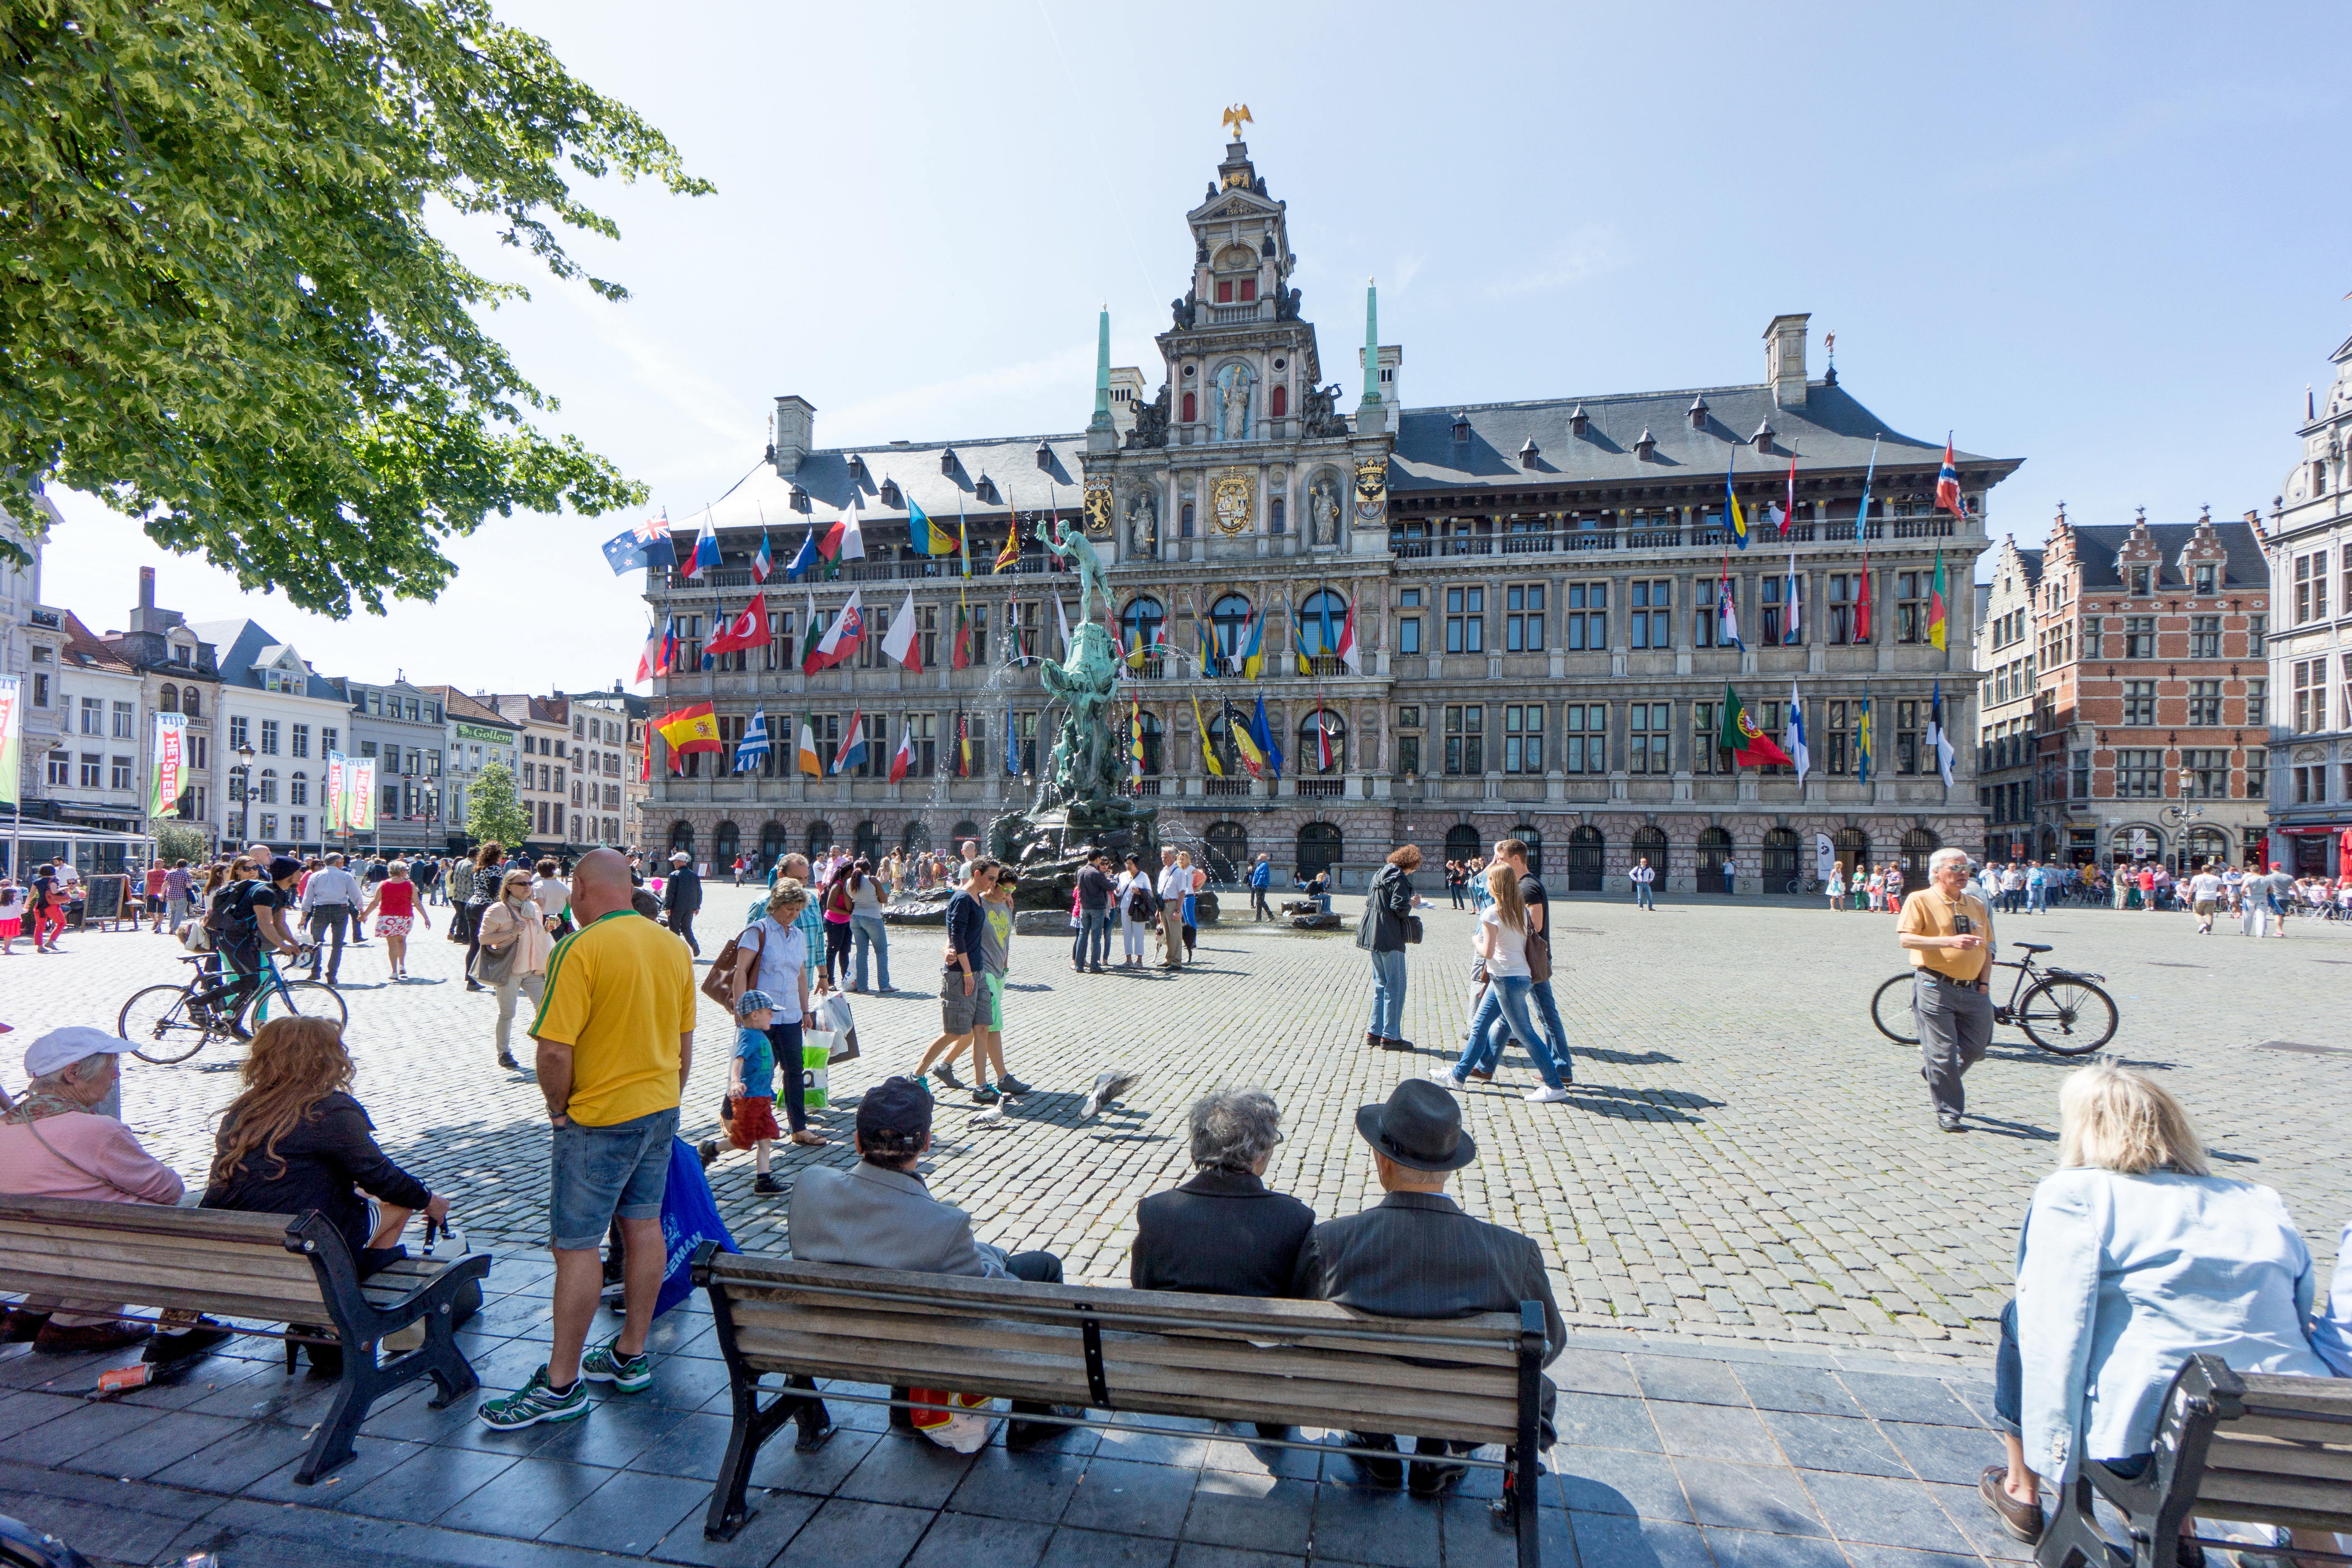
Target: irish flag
pixel 809 761
pixel 1750 747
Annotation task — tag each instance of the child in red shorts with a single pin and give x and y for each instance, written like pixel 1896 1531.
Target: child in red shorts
pixel 751 1119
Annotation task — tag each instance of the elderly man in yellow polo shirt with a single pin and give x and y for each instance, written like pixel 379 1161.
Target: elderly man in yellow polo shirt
pixel 1947 931
pixel 616 1036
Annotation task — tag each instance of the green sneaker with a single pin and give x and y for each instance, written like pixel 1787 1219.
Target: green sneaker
pixel 535 1401
pixel 628 1374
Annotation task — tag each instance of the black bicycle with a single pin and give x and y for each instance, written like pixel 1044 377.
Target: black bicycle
pixel 2063 1011
pixel 167 1024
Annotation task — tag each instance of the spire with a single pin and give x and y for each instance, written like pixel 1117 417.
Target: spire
pixel 1101 433
pixel 1371 342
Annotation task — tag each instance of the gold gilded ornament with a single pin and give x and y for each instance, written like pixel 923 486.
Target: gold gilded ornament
pixel 1231 501
pixel 1371 490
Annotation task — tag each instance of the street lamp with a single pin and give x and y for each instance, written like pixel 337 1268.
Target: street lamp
pixel 244 771
pixel 2184 813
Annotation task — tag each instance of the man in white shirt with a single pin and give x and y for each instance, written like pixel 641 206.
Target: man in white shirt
pixel 2205 897
pixel 1175 881
pixel 1641 874
pixel 330 898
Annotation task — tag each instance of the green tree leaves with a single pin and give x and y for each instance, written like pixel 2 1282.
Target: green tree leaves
pixel 492 812
pixel 221 309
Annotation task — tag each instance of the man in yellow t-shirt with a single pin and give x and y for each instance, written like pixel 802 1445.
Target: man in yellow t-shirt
pixel 616 1036
pixel 1947 932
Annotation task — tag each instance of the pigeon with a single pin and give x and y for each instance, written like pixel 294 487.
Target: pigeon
pixel 1107 1088
pixel 988 1118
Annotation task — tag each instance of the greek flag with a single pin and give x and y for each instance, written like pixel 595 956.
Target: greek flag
pixel 752 749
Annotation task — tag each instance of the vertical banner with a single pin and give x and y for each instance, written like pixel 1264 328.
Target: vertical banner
pixel 359 790
pixel 12 716
pixel 171 742
pixel 333 822
pixel 1824 857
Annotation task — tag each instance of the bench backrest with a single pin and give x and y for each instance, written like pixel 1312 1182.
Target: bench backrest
pixel 1158 1353
pixel 152 1255
pixel 2281 1449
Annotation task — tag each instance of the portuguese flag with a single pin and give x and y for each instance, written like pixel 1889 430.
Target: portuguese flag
pixel 1750 747
pixel 1935 632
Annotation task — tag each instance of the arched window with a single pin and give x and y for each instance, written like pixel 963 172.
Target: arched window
pixel 1462 842
pixel 1318 848
pixel 1192 407
pixel 820 838
pixel 192 702
pixel 966 832
pixel 269 787
pixel 771 844
pixel 1586 861
pixel 2206 845
pixel 726 843
pixel 1310 758
pixel 1151 743
pixel 1229 851
pixel 867 839
pixel 168 700
pixel 1714 849
pixel 1851 848
pixel 298 790
pixel 1139 627
pixel 916 839
pixel 1917 846
pixel 681 837
pixel 1321 620
pixel 1650 844
pixel 1528 834
pixel 1228 625
pixel 1780 858
pixel 1278 403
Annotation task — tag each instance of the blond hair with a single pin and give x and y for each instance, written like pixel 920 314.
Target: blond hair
pixel 2114 1118
pixel 1509 908
pixel 788 893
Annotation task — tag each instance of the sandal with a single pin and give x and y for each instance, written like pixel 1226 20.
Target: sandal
pixel 810 1140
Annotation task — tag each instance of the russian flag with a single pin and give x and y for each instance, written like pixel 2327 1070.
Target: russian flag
pixel 853 744
pixel 706 549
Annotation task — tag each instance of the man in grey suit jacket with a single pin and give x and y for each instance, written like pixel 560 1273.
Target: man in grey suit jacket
pixel 1417 1254
pixel 879 1214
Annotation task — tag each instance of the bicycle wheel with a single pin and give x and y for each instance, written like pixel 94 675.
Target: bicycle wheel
pixel 2067 1017
pixel 301 999
pixel 1891 1010
pixel 157 1024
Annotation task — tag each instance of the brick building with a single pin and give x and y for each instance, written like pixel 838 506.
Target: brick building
pixel 2151 687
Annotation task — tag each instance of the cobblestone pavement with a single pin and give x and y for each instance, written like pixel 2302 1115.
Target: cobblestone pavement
pixel 1746 1161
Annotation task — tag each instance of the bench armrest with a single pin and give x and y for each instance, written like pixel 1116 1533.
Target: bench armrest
pixel 358 1320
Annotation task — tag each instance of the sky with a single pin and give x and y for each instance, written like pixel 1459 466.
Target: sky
pixel 2104 239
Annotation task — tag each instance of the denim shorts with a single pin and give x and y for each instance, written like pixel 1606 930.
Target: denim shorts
pixel 603 1172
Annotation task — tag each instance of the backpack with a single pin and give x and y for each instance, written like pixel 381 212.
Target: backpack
pixel 231 915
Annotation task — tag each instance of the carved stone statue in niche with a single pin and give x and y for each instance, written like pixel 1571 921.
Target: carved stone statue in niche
pixel 1319 413
pixel 1151 422
pixel 1323 507
pixel 1286 305
pixel 1143 526
pixel 1232 404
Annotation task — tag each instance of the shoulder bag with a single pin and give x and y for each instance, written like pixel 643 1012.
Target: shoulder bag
pixel 494 966
pixel 718 983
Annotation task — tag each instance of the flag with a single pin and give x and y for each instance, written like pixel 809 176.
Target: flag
pixel 1733 518
pixel 1322 738
pixel 1010 557
pixel 706 548
pixel 1248 657
pixel 12 727
pixel 828 543
pixel 1936 629
pixel 1938 743
pixel 1862 604
pixel 752 749
pixel 1134 740
pixel 1947 487
pixel 1263 734
pixel 671 644
pixel 646 544
pixel 1149 647
pixel 649 660
pixel 694 728
pixel 810 638
pixel 1793 736
pixel 171 757
pixel 900 645
pixel 1237 727
pixel 763 563
pixel 1208 658
pixel 961 655
pixel 749 629
pixel 1208 752
pixel 1726 613
pixel 808 760
pixel 1792 627
pixel 905 754
pixel 841 637
pixel 963 747
pixel 853 744
pixel 1750 747
pixel 1350 655
pixel 1782 515
pixel 963 539
pixel 843 540
pixel 803 559
pixel 1863 515
pixel 1011 745
pixel 1862 741
pixel 924 534
pixel 1062 617
pixel 1298 643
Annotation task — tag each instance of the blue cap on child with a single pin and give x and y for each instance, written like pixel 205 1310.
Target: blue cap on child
pixel 752 1002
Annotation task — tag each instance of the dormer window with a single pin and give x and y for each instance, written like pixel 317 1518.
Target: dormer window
pixel 1044 457
pixel 1462 426
pixel 1578 420
pixel 180 653
pixel 985 489
pixel 1763 437
pixel 858 469
pixel 2140 579
pixel 1644 444
pixel 2202 576
pixel 1529 453
pixel 1698 413
pixel 948 461
pixel 801 502
pixel 891 496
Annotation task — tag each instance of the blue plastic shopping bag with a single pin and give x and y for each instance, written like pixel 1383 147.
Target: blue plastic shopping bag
pixel 690 1217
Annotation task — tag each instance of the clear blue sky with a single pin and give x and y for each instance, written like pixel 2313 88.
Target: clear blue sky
pixel 2107 239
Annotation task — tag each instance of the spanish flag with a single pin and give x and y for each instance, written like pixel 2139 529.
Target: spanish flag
pixel 694 728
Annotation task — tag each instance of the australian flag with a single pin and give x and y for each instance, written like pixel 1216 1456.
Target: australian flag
pixel 646 544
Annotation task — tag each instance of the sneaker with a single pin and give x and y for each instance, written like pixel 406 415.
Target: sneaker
pixel 945 1073
pixel 1011 1085
pixel 1544 1094
pixel 628 1374
pixel 534 1402
pixel 1447 1077
pixel 985 1095
pixel 766 1186
pixel 707 1151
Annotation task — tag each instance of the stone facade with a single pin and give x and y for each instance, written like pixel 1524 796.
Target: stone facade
pixel 1533 590
pixel 2008 661
pixel 2311 641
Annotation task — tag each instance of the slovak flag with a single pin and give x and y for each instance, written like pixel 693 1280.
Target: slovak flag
pixel 841 637
pixel 1350 655
pixel 706 549
pixel 853 744
pixel 1947 484
pixel 904 756
pixel 764 563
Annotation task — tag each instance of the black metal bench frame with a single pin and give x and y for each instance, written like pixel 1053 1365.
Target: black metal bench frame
pixel 800 1401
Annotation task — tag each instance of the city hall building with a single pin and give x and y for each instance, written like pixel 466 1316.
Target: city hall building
pixel 1535 588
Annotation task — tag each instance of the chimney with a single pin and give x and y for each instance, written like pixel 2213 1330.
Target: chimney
pixel 795 433
pixel 146 587
pixel 1784 360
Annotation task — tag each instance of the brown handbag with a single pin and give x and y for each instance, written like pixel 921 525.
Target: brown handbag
pixel 719 985
pixel 1539 956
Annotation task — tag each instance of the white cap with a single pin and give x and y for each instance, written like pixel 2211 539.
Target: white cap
pixel 63 1048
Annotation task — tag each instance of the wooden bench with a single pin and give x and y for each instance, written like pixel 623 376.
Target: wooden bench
pixel 274 1268
pixel 2230 1445
pixel 1223 1358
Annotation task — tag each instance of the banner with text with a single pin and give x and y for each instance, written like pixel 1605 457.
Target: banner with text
pixel 12 717
pixel 333 822
pixel 170 758
pixel 359 792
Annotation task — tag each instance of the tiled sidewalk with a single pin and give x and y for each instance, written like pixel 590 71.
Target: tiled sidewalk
pixel 1669 1457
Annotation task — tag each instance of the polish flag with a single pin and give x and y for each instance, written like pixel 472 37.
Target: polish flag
pixel 1349 653
pixel 898 644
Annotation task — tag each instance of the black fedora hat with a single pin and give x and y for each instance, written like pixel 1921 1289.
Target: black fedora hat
pixel 1419 1126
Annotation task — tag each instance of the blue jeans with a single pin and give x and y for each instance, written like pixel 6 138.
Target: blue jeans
pixel 1642 897
pixel 2037 901
pixel 1093 944
pixel 1507 1003
pixel 602 1172
pixel 2008 1395
pixel 868 931
pixel 1387 994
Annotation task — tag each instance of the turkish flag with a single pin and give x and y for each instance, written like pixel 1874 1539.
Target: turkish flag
pixel 749 629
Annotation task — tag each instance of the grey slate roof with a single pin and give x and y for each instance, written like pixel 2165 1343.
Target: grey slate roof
pixel 1010 461
pixel 1832 431
pixel 2096 545
pixel 243 644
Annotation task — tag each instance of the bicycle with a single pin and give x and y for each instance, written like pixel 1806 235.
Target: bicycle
pixel 2064 1011
pixel 1804 885
pixel 168 1024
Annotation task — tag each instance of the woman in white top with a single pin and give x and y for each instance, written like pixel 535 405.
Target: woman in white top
pixel 14 901
pixel 552 895
pixel 1835 889
pixel 1877 885
pixel 515 921
pixel 771 955
pixel 1134 932
pixel 1502 949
